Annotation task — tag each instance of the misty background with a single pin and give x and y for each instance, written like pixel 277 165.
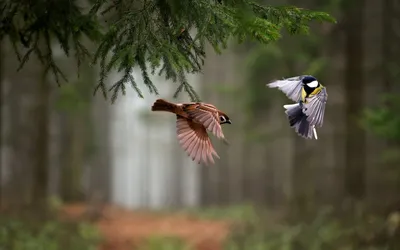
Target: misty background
pixel 63 144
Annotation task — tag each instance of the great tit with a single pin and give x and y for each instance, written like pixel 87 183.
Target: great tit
pixel 310 97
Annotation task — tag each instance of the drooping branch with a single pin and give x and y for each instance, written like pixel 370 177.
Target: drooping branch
pixel 152 35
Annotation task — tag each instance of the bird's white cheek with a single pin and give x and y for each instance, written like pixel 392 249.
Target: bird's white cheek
pixel 313 84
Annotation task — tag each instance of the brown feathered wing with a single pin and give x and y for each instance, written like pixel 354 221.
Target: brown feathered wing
pixel 207 115
pixel 194 140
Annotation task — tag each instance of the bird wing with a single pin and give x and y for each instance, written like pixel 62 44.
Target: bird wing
pixel 291 87
pixel 314 107
pixel 194 139
pixel 207 115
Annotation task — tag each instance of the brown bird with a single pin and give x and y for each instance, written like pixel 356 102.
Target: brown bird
pixel 193 121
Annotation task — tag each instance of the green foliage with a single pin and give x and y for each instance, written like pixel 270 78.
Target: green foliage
pixel 157 35
pixel 383 120
pixel 73 98
pixel 245 212
pixel 33 234
pixel 37 25
pixel 327 229
pixel 150 34
pixel 324 232
pixel 164 243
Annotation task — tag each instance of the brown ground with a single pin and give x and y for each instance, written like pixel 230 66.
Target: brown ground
pixel 122 228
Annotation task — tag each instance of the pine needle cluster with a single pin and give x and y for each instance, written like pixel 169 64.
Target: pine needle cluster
pixel 35 26
pixel 165 37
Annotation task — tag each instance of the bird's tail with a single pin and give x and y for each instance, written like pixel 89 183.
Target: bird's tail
pixel 163 105
pixel 298 121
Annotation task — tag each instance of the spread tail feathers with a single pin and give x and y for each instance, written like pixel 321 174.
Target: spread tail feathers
pixel 163 105
pixel 298 121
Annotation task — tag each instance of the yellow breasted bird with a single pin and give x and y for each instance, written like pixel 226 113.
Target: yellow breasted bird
pixel 310 97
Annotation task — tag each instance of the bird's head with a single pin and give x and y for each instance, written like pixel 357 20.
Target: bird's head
pixel 310 81
pixel 223 118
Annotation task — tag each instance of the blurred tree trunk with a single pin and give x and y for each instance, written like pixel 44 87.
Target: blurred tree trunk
pixel 71 176
pixel 354 100
pixel 302 181
pixel 77 101
pixel 1 124
pixel 75 106
pixel 390 69
pixel 388 45
pixel 41 149
pixel 101 171
pixel 24 119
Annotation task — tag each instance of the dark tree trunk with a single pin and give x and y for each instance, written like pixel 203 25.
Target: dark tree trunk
pixel 1 125
pixel 389 43
pixel 24 129
pixel 355 165
pixel 41 151
pixel 390 52
pixel 78 138
pixel 101 177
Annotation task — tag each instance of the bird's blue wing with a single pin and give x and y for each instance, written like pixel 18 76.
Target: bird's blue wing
pixel 314 107
pixel 290 86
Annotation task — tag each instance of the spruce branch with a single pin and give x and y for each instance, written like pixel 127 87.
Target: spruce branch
pixel 36 26
pixel 151 35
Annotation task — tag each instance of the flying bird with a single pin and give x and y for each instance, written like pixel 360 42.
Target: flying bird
pixel 193 120
pixel 310 97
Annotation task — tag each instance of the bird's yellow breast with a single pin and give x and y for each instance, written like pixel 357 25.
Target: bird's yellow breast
pixel 304 94
pixel 316 91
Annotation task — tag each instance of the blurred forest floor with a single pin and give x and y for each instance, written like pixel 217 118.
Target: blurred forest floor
pixel 241 227
pixel 121 229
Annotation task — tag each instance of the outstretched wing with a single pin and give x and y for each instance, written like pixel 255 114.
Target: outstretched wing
pixel 291 87
pixel 207 115
pixel 314 107
pixel 194 139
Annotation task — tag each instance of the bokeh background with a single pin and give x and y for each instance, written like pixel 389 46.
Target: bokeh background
pixel 117 179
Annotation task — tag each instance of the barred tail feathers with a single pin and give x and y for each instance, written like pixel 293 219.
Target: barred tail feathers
pixel 298 121
pixel 163 105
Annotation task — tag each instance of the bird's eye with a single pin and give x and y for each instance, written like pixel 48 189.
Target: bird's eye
pixel 222 118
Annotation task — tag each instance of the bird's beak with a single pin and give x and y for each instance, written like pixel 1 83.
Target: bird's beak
pixel 229 121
